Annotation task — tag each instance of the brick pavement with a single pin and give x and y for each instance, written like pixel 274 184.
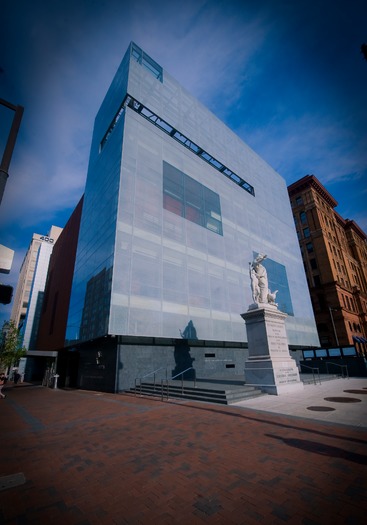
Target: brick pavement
pixel 90 458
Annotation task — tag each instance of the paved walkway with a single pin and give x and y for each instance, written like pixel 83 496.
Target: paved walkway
pixel 85 458
pixel 342 401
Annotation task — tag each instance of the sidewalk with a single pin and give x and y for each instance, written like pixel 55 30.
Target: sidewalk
pixel 342 401
pixel 85 458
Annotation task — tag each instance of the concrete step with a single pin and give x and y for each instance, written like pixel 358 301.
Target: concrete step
pixel 208 392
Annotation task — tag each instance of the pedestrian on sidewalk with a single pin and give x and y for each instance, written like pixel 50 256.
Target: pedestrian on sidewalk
pixel 17 377
pixel 2 383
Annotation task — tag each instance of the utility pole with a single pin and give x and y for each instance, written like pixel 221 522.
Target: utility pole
pixel 9 148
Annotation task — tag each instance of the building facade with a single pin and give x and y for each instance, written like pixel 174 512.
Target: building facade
pixel 26 274
pixel 55 305
pixel 27 305
pixel 334 252
pixel 176 206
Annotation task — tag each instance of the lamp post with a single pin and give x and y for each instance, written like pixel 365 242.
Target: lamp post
pixel 332 321
pixel 6 158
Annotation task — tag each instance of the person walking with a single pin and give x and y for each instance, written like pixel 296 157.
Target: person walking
pixel 17 377
pixel 2 383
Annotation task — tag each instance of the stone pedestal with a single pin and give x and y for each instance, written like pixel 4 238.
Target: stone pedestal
pixel 269 366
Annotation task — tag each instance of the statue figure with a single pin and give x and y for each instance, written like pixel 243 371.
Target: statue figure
pixel 259 282
pixel 254 284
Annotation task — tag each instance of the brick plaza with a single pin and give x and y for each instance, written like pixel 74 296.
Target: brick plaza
pixel 89 458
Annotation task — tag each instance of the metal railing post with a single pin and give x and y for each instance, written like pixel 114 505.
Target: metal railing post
pixel 312 368
pixel 342 369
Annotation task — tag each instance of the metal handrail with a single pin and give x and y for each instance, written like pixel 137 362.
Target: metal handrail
pixel 343 367
pixel 149 374
pixel 313 368
pixel 182 382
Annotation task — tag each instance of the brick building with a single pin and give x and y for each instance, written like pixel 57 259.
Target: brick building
pixel 334 252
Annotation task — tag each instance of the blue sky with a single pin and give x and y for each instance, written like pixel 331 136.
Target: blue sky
pixel 287 76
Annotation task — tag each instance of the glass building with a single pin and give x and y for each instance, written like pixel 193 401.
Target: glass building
pixel 176 206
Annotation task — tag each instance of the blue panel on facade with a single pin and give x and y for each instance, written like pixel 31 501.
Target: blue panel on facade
pixel 277 278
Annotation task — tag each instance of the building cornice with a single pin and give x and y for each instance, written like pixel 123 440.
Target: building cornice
pixel 352 225
pixel 310 181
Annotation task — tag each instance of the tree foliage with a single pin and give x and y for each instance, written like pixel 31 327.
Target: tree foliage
pixel 11 348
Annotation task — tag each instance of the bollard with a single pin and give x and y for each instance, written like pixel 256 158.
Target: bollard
pixel 56 376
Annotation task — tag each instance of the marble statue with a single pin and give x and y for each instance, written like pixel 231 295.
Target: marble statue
pixel 259 282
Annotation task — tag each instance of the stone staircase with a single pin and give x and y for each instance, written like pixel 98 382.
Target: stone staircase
pixel 207 391
pixel 224 391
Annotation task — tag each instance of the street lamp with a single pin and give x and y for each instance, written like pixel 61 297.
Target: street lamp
pixel 6 158
pixel 331 310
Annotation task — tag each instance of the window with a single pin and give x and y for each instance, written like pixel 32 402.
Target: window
pixel 306 232
pixel 309 247
pixel 187 198
pixel 316 280
pixel 111 127
pixel 299 201
pixel 148 63
pixel 349 351
pixel 313 264
pixel 302 217
pixel 185 141
pixel 322 302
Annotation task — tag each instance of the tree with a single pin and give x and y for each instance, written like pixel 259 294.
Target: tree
pixel 11 348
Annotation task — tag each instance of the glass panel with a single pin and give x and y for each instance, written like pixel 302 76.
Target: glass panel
pixel 188 198
pixel 193 201
pixel 334 352
pixel 173 205
pixel 136 53
pixel 148 63
pixel 193 192
pixel 349 351
pixel 150 67
pixel 277 277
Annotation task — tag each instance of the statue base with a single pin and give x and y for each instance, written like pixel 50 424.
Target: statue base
pixel 269 365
